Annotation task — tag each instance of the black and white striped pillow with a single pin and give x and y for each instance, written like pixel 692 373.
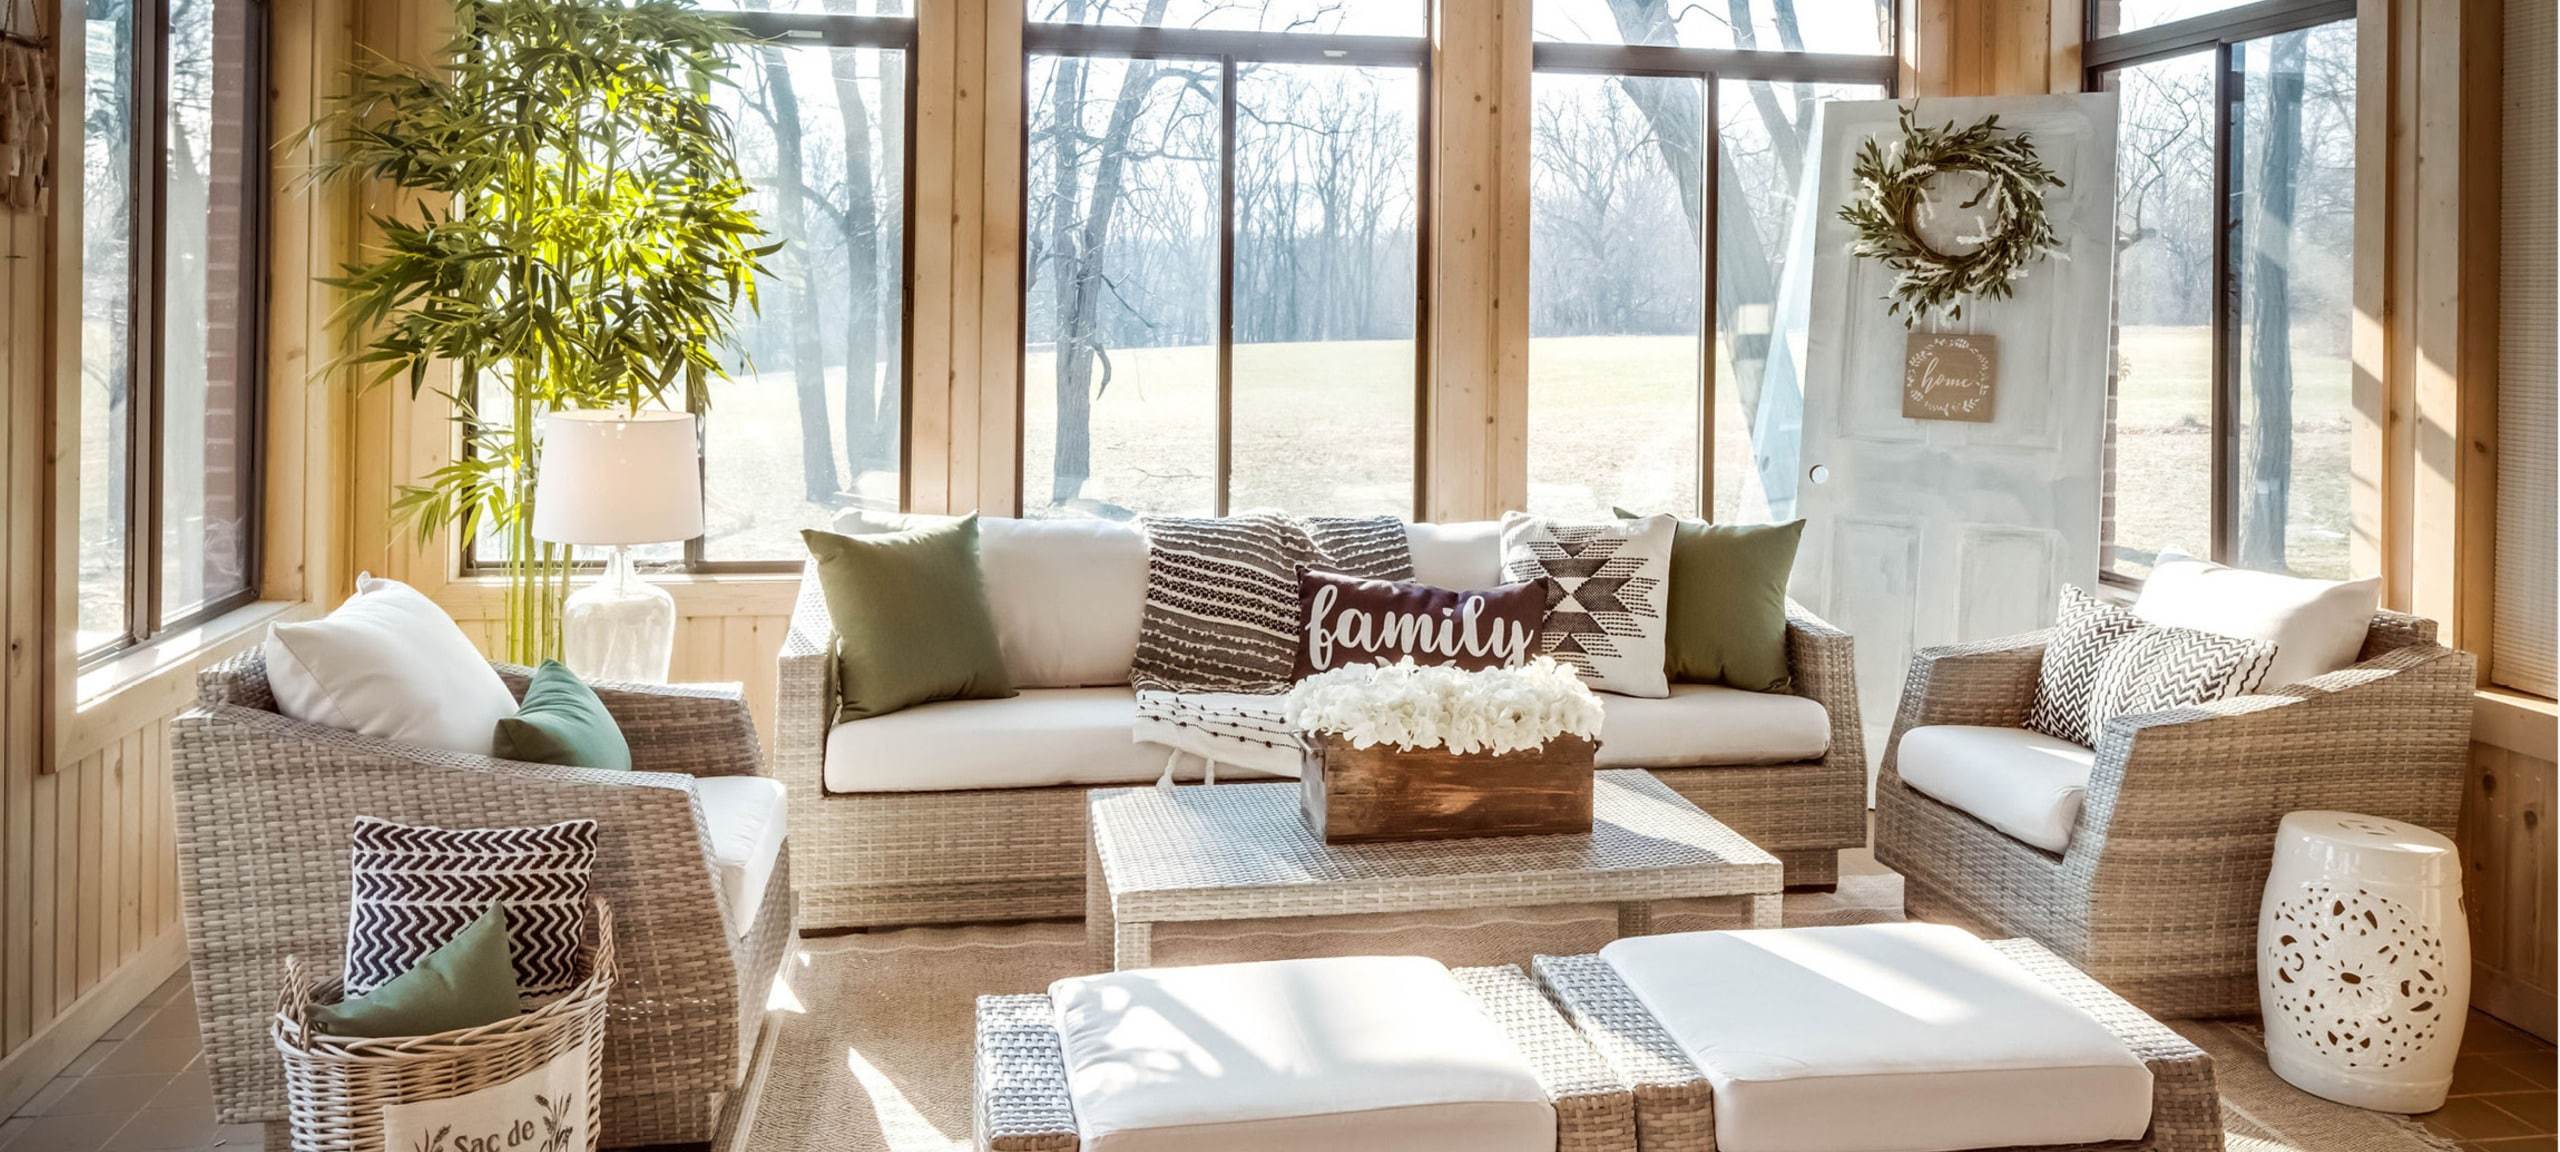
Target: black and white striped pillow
pixel 2084 632
pixel 416 887
pixel 2160 668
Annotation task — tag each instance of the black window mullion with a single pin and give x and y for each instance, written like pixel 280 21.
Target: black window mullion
pixel 1711 156
pixel 1225 454
pixel 2228 223
pixel 145 391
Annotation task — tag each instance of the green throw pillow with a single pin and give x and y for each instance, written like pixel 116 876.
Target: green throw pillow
pixel 560 721
pixel 1728 614
pixel 911 616
pixel 468 982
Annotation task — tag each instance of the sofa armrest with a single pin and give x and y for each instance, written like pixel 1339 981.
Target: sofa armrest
pixel 1822 665
pixel 696 729
pixel 806 694
pixel 2388 737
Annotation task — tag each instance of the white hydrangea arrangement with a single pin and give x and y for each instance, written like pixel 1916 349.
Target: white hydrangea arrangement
pixel 1413 707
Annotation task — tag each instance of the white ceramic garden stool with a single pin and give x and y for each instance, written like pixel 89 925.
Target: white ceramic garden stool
pixel 2364 961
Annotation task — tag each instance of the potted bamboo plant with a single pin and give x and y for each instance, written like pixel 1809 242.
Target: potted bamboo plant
pixel 573 236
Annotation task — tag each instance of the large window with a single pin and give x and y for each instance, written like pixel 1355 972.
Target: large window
pixel 171 192
pixel 2235 233
pixel 1222 232
pixel 1667 140
pixel 812 421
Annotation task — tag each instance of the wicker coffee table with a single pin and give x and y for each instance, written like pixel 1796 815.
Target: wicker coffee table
pixel 1241 852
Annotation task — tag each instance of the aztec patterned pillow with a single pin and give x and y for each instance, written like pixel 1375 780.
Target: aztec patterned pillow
pixel 2086 629
pixel 417 887
pixel 1221 613
pixel 2159 668
pixel 1608 586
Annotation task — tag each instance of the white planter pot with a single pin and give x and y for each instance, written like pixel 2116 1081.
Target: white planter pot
pixel 2364 961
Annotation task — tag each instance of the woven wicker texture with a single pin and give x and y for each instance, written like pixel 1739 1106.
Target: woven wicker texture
pixel 2157 894
pixel 336 1088
pixel 1675 1107
pixel 264 805
pixel 1242 851
pixel 880 858
pixel 1020 1101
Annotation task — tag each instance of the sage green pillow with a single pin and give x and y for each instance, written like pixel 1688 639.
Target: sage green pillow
pixel 467 982
pixel 560 721
pixel 1728 618
pixel 911 616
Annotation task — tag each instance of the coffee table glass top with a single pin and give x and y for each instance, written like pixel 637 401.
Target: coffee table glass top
pixel 1231 836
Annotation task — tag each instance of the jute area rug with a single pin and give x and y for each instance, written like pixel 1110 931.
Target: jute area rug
pixel 869 1046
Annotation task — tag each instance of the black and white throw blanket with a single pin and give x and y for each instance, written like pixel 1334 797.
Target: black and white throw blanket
pixel 1221 610
pixel 1218 637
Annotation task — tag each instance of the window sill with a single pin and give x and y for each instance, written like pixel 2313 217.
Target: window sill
pixel 481 597
pixel 158 678
pixel 2527 725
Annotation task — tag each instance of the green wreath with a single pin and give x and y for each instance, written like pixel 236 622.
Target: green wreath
pixel 1930 282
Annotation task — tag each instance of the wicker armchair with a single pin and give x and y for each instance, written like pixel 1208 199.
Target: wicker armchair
pixel 2157 893
pixel 881 858
pixel 264 804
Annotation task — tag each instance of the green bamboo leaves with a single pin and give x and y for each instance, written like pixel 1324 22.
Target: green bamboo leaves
pixel 570 232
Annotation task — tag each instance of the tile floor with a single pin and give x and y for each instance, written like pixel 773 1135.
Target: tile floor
pixel 143 1089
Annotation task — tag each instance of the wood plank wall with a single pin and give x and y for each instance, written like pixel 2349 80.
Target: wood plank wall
pixel 2509 862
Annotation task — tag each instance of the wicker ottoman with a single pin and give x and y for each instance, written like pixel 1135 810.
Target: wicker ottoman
pixel 1362 1052
pixel 1909 1040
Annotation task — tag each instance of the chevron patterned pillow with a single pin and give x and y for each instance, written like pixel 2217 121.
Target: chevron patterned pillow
pixel 416 887
pixel 2085 630
pixel 2159 668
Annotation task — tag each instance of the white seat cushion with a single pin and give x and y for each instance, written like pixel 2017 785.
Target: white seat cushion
pixel 2317 626
pixel 1701 724
pixel 391 664
pixel 1375 1052
pixel 1039 737
pixel 1883 1038
pixel 2024 783
pixel 1065 594
pixel 745 818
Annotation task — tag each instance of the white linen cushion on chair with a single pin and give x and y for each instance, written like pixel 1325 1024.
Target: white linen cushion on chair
pixel 2024 783
pixel 744 815
pixel 1040 737
pixel 388 663
pixel 1701 724
pixel 1466 555
pixel 1065 594
pixel 2317 626
pixel 1370 1052
pixel 1883 1038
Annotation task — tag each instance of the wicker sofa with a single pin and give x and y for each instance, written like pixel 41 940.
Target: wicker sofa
pixel 904 842
pixel 264 804
pixel 2156 891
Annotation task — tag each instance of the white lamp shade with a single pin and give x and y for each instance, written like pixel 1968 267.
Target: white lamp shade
pixel 618 478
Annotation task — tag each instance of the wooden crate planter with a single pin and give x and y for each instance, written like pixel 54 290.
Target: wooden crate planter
pixel 1352 794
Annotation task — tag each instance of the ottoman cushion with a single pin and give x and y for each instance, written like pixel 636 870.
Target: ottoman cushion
pixel 1883 1038
pixel 1349 1053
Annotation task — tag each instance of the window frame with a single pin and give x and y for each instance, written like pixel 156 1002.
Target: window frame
pixel 1228 48
pixel 2222 33
pixel 1710 67
pixel 811 30
pixel 147 222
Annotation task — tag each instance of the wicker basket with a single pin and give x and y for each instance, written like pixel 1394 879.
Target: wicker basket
pixel 338 1089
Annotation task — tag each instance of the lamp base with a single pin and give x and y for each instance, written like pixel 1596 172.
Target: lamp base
pixel 620 627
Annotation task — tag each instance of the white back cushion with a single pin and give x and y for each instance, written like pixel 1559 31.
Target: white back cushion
pixel 2317 626
pixel 388 663
pixel 1066 594
pixel 1465 556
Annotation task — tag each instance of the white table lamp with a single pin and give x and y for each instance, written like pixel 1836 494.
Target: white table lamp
pixel 618 479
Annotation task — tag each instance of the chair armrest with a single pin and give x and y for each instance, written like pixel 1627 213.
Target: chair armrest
pixel 806 694
pixel 1822 665
pixel 696 729
pixel 1991 683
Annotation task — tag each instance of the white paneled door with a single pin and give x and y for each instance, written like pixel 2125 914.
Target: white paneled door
pixel 1923 532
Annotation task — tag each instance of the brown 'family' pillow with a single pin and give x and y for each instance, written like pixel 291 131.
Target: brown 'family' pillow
pixel 1347 620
